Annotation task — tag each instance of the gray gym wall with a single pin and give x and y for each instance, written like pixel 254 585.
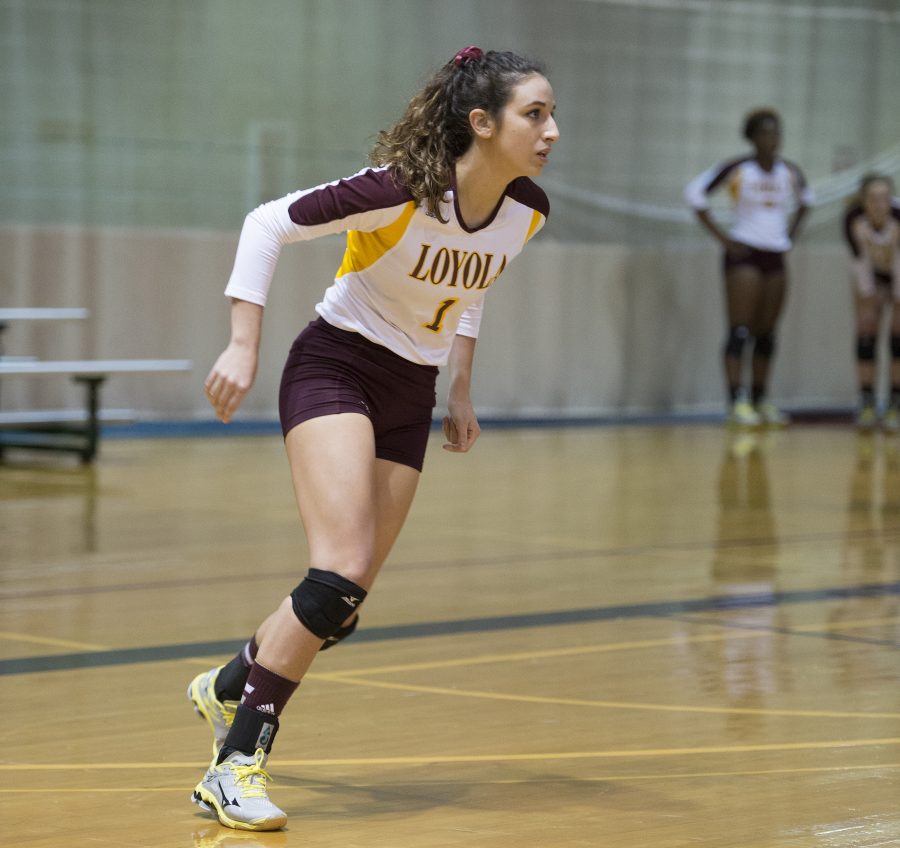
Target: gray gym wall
pixel 136 135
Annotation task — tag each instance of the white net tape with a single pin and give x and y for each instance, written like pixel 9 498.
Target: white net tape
pixel 828 190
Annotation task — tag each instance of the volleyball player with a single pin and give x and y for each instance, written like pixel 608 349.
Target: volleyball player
pixel 448 204
pixel 872 230
pixel 770 198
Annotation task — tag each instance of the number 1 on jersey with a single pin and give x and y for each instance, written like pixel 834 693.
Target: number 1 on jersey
pixel 437 324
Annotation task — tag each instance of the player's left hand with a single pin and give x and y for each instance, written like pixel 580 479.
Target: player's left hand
pixel 461 427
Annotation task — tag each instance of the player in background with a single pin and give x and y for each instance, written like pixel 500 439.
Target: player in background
pixel 448 204
pixel 769 197
pixel 872 230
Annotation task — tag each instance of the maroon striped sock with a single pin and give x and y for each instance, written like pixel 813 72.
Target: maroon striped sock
pixel 266 691
pixel 249 652
pixel 233 675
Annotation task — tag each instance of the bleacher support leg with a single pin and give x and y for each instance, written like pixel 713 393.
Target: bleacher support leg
pixel 92 425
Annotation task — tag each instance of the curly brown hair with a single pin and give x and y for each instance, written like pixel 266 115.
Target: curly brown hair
pixel 434 131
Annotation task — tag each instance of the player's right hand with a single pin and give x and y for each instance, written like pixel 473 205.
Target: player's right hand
pixel 230 379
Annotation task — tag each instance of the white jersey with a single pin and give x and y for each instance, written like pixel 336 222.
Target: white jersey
pixel 875 252
pixel 407 281
pixel 762 200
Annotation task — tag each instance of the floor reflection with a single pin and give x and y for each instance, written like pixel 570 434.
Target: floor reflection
pixel 873 511
pixel 870 555
pixel 745 567
pixel 216 836
pixel 35 490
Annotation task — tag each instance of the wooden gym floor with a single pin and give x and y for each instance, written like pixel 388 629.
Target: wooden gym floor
pixel 628 637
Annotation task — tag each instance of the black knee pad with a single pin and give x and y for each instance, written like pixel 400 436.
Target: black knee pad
pixel 323 601
pixel 865 348
pixel 895 347
pixel 340 634
pixel 737 337
pixel 765 345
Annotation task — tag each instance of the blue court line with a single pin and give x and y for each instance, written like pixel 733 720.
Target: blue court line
pixel 213 428
pixel 659 609
pixel 205 428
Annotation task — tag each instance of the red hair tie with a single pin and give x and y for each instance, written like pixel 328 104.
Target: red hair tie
pixel 467 54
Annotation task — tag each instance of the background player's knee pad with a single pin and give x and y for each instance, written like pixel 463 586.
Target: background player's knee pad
pixel 738 336
pixel 895 347
pixel 324 600
pixel 765 345
pixel 865 348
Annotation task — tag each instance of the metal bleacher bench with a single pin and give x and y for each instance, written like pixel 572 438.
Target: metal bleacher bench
pixel 69 430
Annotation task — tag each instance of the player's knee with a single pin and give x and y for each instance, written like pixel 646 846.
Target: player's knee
pixel 323 601
pixel 865 348
pixel 738 336
pixel 765 345
pixel 895 347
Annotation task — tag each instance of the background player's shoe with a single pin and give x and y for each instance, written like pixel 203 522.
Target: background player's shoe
pixel 771 415
pixel 218 714
pixel 235 790
pixel 742 414
pixel 867 418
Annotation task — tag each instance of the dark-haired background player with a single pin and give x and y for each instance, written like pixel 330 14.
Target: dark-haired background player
pixel 769 197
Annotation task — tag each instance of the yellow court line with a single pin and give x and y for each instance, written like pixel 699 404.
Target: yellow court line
pixel 88 789
pixel 744 772
pixel 614 705
pixel 532 655
pixel 486 758
pixel 581 650
pixel 604 778
pixel 47 640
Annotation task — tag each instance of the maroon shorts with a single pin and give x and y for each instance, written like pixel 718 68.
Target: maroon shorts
pixel 766 261
pixel 329 371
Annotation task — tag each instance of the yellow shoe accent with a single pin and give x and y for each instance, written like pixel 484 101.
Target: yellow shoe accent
pixel 218 714
pixel 742 414
pixel 771 415
pixel 236 790
pixel 867 418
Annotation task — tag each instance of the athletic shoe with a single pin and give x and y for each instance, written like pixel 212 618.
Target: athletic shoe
pixel 742 414
pixel 771 415
pixel 235 790
pixel 891 421
pixel 867 418
pixel 218 714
